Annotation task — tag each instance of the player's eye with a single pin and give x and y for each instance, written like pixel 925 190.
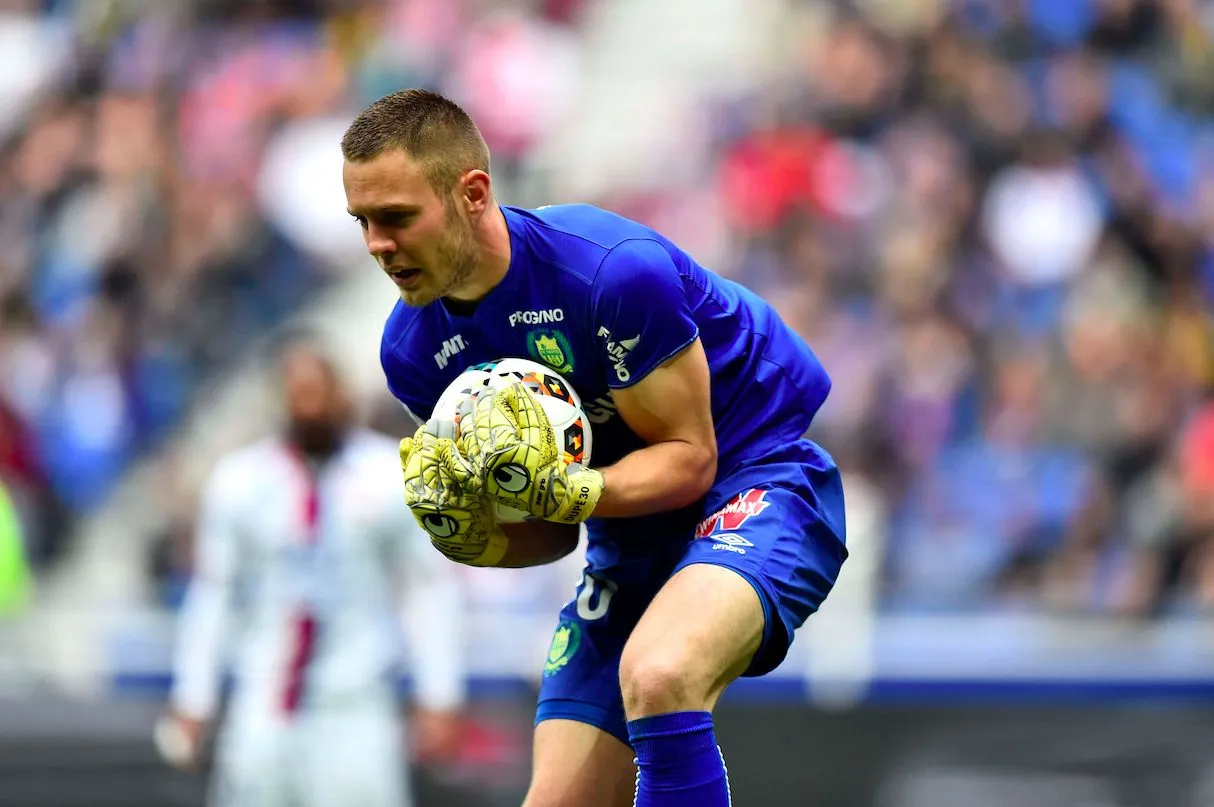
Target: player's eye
pixel 362 221
pixel 395 220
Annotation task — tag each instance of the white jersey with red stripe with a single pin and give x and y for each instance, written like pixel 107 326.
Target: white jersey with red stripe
pixel 304 572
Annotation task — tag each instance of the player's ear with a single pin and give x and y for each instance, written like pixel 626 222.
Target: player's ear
pixel 477 193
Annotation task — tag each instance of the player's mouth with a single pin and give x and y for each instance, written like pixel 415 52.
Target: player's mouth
pixel 404 277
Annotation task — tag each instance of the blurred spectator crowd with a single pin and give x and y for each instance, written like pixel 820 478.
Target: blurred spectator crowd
pixel 168 172
pixel 994 220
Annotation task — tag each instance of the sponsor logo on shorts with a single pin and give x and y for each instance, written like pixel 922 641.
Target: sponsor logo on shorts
pixel 730 542
pixel 565 642
pixel 734 514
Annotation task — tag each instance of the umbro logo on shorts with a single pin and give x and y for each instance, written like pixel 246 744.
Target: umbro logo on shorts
pixel 732 539
pixel 730 542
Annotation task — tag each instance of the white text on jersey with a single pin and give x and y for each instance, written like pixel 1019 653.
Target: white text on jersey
pixel 537 317
pixel 618 351
pixel 450 347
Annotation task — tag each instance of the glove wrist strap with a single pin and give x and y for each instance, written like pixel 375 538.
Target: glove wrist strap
pixel 585 487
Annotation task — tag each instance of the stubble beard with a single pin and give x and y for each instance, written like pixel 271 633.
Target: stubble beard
pixel 457 252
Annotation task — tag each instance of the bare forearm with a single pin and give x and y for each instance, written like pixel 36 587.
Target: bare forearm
pixel 657 478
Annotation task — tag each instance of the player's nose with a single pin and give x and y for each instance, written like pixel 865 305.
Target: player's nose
pixel 379 243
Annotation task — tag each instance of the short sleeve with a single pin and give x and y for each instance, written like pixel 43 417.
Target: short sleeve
pixel 640 310
pixel 407 384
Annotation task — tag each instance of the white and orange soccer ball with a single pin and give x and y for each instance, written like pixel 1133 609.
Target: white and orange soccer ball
pixel 559 400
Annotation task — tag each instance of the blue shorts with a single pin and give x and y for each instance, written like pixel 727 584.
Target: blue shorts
pixel 777 520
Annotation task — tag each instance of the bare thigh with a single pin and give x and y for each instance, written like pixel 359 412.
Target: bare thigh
pixel 578 764
pixel 698 635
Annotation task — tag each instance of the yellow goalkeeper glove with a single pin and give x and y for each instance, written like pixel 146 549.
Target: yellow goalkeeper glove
pixel 510 441
pixel 446 496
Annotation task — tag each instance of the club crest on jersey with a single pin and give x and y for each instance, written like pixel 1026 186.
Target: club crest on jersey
pixel 565 642
pixel 552 348
pixel 735 513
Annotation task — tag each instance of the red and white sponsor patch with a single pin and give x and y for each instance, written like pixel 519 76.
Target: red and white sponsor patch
pixel 734 513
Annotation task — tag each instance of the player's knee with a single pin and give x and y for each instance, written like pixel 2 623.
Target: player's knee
pixel 658 682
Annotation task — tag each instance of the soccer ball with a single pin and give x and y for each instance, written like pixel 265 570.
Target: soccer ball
pixel 560 403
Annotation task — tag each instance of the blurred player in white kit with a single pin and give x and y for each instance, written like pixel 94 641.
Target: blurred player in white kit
pixel 303 541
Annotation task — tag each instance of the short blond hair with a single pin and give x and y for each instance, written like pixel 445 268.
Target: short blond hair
pixel 433 130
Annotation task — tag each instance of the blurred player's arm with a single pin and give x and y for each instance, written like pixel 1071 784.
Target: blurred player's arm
pixel 659 380
pixel 202 628
pixel 433 619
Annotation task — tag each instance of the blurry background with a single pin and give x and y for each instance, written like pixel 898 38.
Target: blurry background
pixel 992 219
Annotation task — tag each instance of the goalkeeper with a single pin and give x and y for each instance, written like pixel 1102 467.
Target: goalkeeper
pixel 715 528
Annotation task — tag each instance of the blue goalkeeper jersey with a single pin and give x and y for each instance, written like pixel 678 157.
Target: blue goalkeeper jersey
pixel 604 301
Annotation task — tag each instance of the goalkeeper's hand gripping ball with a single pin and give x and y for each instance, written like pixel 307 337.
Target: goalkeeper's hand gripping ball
pixel 446 496
pixel 510 442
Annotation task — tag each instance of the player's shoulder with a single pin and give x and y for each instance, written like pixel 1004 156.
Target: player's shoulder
pixel 588 223
pixel 580 237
